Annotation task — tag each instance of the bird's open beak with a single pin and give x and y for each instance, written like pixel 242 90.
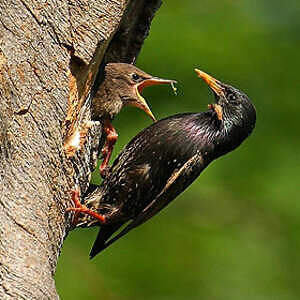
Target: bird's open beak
pixel 153 81
pixel 142 104
pixel 213 83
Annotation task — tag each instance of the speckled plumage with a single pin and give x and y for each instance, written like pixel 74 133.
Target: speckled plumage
pixel 164 159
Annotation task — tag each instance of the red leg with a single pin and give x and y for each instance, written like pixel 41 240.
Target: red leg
pixel 111 138
pixel 79 208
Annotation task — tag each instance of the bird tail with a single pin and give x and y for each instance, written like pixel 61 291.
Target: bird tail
pixel 105 232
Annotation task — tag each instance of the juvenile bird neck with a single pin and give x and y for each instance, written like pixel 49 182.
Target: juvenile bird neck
pixel 107 102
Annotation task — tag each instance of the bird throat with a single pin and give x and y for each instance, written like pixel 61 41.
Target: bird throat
pixel 217 108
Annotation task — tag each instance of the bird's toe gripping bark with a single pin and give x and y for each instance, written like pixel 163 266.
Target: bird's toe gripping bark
pixel 79 208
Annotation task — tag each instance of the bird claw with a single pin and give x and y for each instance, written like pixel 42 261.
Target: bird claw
pixel 104 170
pixel 79 208
pixel 104 165
pixel 75 196
pixel 104 151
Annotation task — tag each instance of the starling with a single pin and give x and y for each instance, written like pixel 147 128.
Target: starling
pixel 164 159
pixel 121 86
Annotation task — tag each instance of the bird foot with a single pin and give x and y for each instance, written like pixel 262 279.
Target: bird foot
pixel 106 153
pixel 111 138
pixel 79 208
pixel 104 170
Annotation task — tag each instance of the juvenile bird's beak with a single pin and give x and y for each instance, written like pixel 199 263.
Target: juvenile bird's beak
pixel 142 104
pixel 213 83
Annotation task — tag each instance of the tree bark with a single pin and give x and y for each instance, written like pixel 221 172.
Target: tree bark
pixel 50 52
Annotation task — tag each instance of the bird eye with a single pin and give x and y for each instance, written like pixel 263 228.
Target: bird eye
pixel 135 77
pixel 231 97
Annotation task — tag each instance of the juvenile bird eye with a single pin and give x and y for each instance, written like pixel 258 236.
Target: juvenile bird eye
pixel 135 77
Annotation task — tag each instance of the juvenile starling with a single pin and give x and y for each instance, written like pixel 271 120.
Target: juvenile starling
pixel 121 86
pixel 164 159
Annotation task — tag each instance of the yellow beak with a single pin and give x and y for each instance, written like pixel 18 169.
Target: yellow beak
pixel 213 83
pixel 142 104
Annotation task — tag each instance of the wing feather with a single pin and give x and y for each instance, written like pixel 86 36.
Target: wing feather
pixel 178 181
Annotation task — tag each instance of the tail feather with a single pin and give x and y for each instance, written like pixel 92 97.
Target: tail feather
pixel 104 234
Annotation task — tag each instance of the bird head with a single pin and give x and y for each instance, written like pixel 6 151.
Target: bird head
pixel 129 81
pixel 233 108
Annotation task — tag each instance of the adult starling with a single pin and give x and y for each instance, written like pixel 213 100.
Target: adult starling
pixel 121 86
pixel 164 159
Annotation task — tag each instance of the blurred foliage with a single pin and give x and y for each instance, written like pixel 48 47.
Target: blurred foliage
pixel 235 233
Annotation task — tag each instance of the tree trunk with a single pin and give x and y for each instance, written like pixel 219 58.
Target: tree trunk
pixel 50 52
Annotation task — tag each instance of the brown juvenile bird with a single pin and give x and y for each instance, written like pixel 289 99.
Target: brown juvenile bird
pixel 121 86
pixel 163 160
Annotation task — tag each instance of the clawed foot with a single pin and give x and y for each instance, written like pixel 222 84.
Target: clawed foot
pixel 111 138
pixel 104 170
pixel 79 208
pixel 104 165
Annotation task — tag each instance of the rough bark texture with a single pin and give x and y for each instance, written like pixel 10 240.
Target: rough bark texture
pixel 50 52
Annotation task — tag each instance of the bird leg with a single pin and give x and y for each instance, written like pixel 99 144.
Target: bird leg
pixel 111 138
pixel 79 208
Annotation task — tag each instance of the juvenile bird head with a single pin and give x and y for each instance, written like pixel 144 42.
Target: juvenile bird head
pixel 233 108
pixel 128 82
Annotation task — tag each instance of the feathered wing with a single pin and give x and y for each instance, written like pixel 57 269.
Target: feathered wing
pixel 178 181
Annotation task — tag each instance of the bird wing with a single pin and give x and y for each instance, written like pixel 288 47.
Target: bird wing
pixel 178 181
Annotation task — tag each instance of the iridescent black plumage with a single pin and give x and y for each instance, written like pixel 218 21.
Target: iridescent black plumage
pixel 165 158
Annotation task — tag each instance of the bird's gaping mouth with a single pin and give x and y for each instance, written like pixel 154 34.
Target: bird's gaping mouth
pixel 142 104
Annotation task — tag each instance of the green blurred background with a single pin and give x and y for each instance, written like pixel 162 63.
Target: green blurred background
pixel 235 233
